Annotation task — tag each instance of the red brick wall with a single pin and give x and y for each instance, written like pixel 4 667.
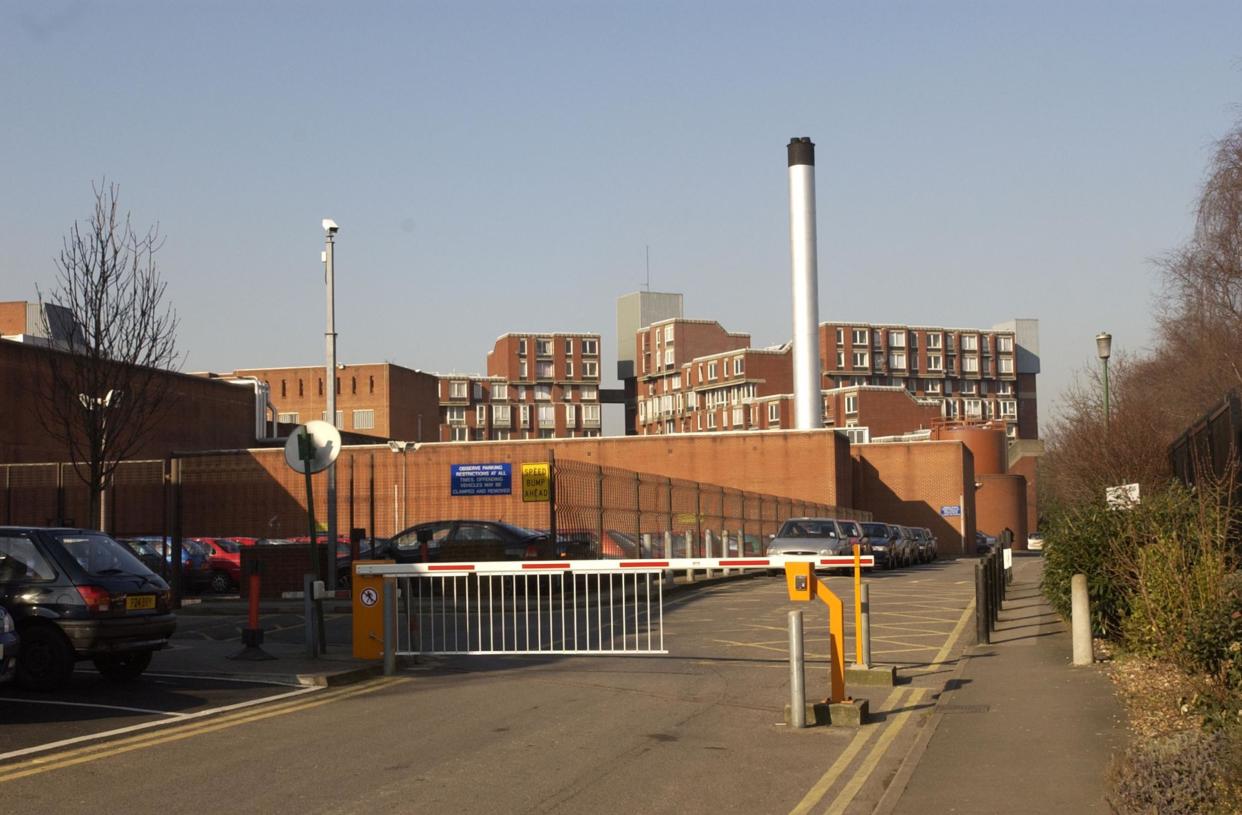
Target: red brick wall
pixel 1001 504
pixel 206 414
pixel 909 483
pixel 1027 468
pixel 13 317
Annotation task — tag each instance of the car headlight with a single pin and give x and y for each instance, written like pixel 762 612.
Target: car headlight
pixel 826 551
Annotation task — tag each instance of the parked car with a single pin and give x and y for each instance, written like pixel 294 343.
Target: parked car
pixel 224 563
pixel 926 544
pixel 1035 542
pixel 914 553
pixel 76 594
pixel 814 537
pixel 9 645
pixel 852 533
pixel 155 551
pixel 616 544
pixel 984 543
pixel 885 544
pixel 471 540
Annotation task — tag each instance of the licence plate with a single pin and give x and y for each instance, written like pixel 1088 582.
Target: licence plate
pixel 139 602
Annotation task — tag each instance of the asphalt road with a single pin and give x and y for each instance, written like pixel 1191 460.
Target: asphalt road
pixel 698 730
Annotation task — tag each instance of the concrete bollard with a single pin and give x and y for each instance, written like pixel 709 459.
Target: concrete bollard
pixel 689 554
pixel 1080 616
pixel 645 545
pixel 707 549
pixel 797 675
pixel 668 555
pixel 983 620
pixel 865 627
pixel 724 549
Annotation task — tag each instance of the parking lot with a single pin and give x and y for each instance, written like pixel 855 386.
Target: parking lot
pixel 92 708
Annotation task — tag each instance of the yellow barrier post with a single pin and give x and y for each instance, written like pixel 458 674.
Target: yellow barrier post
pixel 368 591
pixel 803 585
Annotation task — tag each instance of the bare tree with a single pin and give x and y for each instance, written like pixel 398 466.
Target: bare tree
pixel 106 391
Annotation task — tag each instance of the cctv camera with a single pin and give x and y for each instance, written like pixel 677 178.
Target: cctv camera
pixel 330 226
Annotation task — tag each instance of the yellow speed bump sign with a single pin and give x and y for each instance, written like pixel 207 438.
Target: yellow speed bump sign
pixel 536 481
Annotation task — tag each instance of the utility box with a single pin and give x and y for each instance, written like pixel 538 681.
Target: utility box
pixel 800 580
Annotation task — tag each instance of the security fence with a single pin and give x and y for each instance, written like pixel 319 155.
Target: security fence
pixel 1210 447
pixel 253 493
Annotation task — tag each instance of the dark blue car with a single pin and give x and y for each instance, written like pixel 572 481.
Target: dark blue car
pixel 8 646
pixel 156 554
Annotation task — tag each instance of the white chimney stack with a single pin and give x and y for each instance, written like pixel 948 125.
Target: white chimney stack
pixel 808 396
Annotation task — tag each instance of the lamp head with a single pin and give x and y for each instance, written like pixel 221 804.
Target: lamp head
pixel 1104 344
pixel 330 227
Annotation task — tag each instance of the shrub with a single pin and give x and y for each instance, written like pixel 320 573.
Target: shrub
pixel 1192 771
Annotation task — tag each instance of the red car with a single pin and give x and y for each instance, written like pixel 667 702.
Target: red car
pixel 224 561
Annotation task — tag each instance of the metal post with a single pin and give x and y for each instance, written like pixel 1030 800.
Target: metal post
pixel 808 399
pixel 689 554
pixel 330 340
pixel 308 613
pixel 858 606
pixel 371 491
pixel 864 635
pixel 599 503
pixel 1080 620
pixel 390 626
pixel 177 576
pixel 797 674
pixel 644 545
pixel 707 548
pixel 981 605
pixel 668 553
pixel 552 498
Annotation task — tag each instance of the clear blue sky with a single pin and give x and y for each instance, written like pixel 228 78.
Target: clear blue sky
pixel 500 167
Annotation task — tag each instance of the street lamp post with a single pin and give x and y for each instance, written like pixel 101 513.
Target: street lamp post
pixel 330 229
pixel 1104 347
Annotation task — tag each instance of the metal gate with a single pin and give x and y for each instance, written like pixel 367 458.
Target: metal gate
pixel 531 613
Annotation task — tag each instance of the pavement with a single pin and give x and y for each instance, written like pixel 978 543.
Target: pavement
pixel 1017 728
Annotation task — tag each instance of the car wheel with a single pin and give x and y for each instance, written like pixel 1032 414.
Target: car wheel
pixel 220 582
pixel 123 667
pixel 46 660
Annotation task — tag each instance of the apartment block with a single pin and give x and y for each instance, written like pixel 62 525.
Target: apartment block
pixel 538 386
pixel 878 379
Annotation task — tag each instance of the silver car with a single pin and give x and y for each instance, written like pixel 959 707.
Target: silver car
pixel 809 536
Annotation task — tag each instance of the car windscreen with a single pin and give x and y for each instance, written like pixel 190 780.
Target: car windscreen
pixel 849 529
pixel 875 530
pixel 99 554
pixel 808 529
pixel 523 532
pixel 232 547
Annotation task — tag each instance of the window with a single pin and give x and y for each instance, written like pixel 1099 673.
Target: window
pixel 543 393
pixel 970 342
pixel 364 420
pixel 935 362
pixel 340 418
pixel 859 336
pixel 569 348
pixel 840 336
pixel 590 368
pixel 851 403
pixel 969 389
pixel 353 384
pixel 321 386
pixel 1009 409
pixel 455 415
pixel 840 360
pixel 500 391
pixel 1006 365
pixel 459 433
pixel 547 416
pixel 287 418
pixel 370 384
pixel 591 347
pixel 478 391
pixel 522 369
pixel 674 381
pixel 857 435
pixel 521 393
pixel 1004 345
pixel 569 369
pixel 738 365
pixel 861 359
pixel 711 420
pixel 501 415
pixel 934 340
pixel 1004 388
pixel 896 339
pixel 457 390
pixel 668 333
pixel 522 347
pixel 500 435
pixel 590 415
pixel 480 415
pixel 524 416
pixel 974 409
pixel 589 393
pixel 897 359
pixel 738 417
pixel 970 365
pixel 20 559
pixel 948 387
pixel 543 369
pixel 283 394
pixel 668 357
pixel 571 416
pixel 543 347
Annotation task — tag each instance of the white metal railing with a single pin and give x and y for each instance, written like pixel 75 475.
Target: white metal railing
pixel 581 607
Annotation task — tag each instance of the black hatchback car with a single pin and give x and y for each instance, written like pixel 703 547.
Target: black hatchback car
pixel 465 541
pixel 76 594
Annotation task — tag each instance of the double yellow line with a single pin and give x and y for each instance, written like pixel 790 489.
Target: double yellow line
pixel 83 755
